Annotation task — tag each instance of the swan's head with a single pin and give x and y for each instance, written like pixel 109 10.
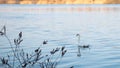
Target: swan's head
pixel 77 34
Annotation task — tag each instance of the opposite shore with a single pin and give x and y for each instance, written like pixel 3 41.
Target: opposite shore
pixel 59 1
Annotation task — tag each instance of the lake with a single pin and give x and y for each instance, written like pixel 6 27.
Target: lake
pixel 98 26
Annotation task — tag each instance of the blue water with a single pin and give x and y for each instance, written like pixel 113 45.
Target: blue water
pixel 98 25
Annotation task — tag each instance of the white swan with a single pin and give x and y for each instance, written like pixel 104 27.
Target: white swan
pixel 79 46
pixel 83 46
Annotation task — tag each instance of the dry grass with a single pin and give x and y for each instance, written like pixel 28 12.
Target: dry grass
pixel 21 59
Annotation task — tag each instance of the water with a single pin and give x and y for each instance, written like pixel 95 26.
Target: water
pixel 98 26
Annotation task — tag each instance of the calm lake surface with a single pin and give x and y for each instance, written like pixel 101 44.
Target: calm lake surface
pixel 98 25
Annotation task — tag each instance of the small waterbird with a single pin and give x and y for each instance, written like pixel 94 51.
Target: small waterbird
pixel 85 46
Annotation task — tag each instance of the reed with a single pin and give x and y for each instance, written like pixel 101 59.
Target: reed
pixel 29 60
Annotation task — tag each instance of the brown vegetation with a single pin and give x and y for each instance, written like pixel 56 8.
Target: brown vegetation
pixel 21 59
pixel 59 1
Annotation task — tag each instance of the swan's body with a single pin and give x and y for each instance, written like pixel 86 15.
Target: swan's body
pixel 85 46
pixel 45 42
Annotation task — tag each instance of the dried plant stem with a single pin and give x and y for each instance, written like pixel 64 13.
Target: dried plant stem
pixel 11 48
pixel 26 60
pixel 15 56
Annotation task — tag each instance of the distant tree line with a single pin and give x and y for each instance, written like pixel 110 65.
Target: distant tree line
pixel 58 1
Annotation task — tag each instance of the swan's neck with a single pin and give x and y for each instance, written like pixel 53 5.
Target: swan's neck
pixel 78 39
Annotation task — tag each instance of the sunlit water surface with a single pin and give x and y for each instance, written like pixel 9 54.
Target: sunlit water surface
pixel 98 25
